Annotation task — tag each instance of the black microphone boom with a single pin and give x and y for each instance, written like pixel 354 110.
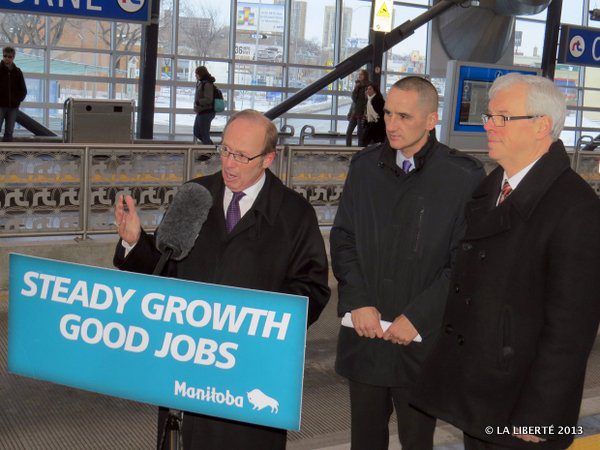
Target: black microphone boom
pixel 182 222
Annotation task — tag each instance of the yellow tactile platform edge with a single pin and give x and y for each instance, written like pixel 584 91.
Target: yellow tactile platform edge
pixel 586 443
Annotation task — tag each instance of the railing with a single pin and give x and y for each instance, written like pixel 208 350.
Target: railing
pixel 69 189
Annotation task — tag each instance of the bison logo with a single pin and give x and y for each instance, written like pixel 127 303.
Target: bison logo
pixel 260 400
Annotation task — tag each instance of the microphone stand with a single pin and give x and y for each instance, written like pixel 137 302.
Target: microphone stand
pixel 170 437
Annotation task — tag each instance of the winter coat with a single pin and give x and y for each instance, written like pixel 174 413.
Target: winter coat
pixel 391 246
pixel 204 96
pixel 523 309
pixel 12 86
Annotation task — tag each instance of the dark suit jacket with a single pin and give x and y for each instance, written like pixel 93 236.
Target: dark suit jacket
pixel 276 246
pixel 523 309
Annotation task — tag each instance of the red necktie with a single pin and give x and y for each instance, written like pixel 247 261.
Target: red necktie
pixel 505 192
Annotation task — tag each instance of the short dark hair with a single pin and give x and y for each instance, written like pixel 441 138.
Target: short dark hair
pixel 271 134
pixel 427 92
pixel 9 50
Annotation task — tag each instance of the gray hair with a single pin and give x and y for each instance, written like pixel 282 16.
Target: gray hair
pixel 543 98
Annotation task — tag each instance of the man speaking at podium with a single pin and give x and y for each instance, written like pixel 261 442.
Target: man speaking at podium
pixel 258 234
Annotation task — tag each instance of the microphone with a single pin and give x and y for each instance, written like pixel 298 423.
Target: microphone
pixel 181 223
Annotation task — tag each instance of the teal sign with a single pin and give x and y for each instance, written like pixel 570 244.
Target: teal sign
pixel 117 10
pixel 217 350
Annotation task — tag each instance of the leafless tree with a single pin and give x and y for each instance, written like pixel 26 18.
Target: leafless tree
pixel 201 28
pixel 30 29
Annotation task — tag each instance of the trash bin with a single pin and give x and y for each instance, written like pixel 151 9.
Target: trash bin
pixel 98 121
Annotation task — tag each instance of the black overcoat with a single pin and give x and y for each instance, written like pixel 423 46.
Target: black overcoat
pixel 12 86
pixel 391 247
pixel 523 308
pixel 276 246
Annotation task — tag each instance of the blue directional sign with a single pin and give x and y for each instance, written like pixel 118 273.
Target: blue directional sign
pixel 217 350
pixel 579 46
pixel 117 10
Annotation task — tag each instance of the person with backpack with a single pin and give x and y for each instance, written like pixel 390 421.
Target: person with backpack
pixel 204 105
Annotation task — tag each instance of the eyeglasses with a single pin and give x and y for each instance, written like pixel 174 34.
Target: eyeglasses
pixel 499 120
pixel 225 151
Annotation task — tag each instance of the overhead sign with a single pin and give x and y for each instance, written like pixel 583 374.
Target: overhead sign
pixel 118 10
pixel 226 352
pixel 579 46
pixel 382 19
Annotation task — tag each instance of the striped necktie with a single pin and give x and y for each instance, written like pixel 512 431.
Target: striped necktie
pixel 505 192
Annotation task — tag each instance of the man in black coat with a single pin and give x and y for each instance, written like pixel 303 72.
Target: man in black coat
pixel 276 246
pixel 391 246
pixel 524 304
pixel 12 92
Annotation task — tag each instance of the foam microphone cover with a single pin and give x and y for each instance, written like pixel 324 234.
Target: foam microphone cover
pixel 183 220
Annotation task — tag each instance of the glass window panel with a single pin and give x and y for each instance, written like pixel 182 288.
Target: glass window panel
pixel 162 96
pixel 321 126
pixel 79 63
pixel 572 13
pixel 36 114
pixel 128 36
pixel 82 33
pixel 592 77
pixel 56 120
pixel 35 90
pixel 165 27
pixel 126 91
pixel 259 31
pixel 186 70
pixel 591 119
pixel 26 29
pixel 529 53
pixel 185 97
pixel 203 28
pixel 258 75
pixel 356 20
pixel 307 36
pixel 161 123
pixel 409 56
pixel 164 69
pixel 83 89
pixel 30 60
pixel 568 138
pixel 127 66
pixel 319 103
pixel 184 125
pixel 300 77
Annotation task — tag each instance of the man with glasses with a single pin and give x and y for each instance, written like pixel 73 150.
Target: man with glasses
pixel 275 245
pixel 524 305
pixel 12 92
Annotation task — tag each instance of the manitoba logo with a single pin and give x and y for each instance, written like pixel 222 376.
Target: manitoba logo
pixel 131 6
pixel 577 46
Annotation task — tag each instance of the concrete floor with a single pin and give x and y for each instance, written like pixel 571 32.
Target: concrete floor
pixel 41 415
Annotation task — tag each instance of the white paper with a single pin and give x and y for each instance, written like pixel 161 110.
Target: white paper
pixel 347 322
